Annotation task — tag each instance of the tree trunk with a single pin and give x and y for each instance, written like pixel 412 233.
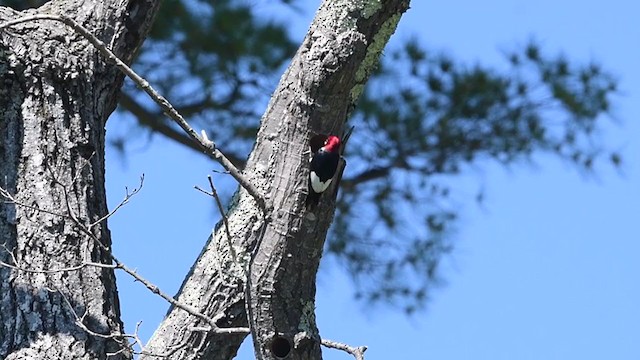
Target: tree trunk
pixel 56 94
pixel 315 94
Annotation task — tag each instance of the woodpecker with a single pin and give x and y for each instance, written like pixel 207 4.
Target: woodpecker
pixel 325 152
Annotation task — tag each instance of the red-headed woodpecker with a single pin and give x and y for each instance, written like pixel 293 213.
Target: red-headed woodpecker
pixel 324 163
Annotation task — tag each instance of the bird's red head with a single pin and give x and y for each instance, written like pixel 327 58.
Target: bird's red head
pixel 332 144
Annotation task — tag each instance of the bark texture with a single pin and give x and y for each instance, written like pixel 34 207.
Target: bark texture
pixel 315 95
pixel 55 97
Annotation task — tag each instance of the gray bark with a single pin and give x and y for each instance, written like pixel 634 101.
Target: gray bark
pixel 55 97
pixel 57 93
pixel 315 95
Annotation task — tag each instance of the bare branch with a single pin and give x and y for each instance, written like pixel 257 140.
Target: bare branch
pixel 225 220
pixel 152 120
pixel 127 197
pixel 209 147
pixel 84 264
pixel 357 352
pixel 119 265
pixel 189 309
pixel 120 339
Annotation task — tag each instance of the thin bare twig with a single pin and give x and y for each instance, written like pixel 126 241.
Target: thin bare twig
pixel 357 352
pixel 119 265
pixel 208 146
pixel 153 121
pixel 125 201
pixel 120 339
pixel 224 216
pixel 17 267
pixel 225 220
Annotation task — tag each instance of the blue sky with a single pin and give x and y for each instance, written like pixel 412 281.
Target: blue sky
pixel 547 268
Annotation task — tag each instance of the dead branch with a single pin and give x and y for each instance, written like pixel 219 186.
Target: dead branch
pixel 117 264
pixel 206 145
pixel 357 352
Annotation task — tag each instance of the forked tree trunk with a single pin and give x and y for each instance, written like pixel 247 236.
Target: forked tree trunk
pixel 316 93
pixel 56 93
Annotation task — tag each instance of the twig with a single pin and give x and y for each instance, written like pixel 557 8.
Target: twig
pixel 50 271
pixel 189 309
pixel 208 146
pixel 120 339
pixel 245 269
pixel 137 339
pixel 221 209
pixel 357 352
pixel 127 197
pixel 119 265
pixel 225 220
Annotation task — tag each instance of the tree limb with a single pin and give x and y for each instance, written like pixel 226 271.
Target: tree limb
pixel 357 352
pixel 206 145
pixel 154 122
